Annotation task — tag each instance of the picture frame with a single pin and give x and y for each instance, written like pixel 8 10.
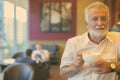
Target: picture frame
pixel 56 16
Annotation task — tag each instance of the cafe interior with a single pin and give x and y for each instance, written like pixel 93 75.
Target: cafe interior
pixel 24 23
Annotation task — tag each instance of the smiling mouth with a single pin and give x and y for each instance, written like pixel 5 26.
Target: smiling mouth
pixel 99 28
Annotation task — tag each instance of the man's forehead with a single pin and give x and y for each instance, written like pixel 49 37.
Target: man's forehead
pixel 97 11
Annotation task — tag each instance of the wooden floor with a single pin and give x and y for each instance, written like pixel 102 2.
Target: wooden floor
pixel 54 73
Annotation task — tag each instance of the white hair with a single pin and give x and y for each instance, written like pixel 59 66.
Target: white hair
pixel 95 5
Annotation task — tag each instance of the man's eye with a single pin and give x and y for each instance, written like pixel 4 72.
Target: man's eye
pixel 94 19
pixel 103 18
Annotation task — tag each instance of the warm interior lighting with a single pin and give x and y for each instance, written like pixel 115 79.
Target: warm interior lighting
pixel 9 61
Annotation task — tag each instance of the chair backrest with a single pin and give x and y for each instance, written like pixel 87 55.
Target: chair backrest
pixel 17 55
pixel 18 71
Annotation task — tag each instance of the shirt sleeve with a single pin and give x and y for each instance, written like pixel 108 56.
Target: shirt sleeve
pixel 67 57
pixel 33 53
pixel 118 47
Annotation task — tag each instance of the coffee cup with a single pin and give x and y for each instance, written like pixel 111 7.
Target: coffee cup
pixel 90 58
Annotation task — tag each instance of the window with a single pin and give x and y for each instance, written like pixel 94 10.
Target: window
pixel 14 28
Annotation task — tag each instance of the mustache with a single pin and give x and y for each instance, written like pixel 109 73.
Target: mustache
pixel 100 27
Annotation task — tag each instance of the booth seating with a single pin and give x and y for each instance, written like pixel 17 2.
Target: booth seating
pixel 53 49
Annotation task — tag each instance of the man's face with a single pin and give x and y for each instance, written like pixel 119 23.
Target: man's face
pixel 38 46
pixel 97 23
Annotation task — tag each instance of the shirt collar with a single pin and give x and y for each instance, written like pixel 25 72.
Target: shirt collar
pixel 87 40
pixel 108 37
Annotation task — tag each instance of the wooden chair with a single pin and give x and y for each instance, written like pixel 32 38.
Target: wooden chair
pixel 18 71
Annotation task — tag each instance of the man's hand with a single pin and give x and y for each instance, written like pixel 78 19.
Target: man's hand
pixel 73 69
pixel 100 67
pixel 78 60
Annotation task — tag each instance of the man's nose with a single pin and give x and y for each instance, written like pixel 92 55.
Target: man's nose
pixel 100 22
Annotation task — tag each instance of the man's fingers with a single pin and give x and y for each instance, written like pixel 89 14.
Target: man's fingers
pixel 79 53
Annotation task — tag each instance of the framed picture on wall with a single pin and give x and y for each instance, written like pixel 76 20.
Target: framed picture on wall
pixel 55 16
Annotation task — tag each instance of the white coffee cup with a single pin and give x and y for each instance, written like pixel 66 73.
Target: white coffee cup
pixel 90 58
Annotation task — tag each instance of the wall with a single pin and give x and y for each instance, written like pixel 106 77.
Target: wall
pixel 118 6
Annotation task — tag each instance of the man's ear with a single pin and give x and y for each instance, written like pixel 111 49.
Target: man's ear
pixel 86 24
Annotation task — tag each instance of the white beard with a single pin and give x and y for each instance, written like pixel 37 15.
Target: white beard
pixel 98 33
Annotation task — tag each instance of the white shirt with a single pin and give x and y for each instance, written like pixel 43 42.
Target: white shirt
pixel 44 56
pixel 109 48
